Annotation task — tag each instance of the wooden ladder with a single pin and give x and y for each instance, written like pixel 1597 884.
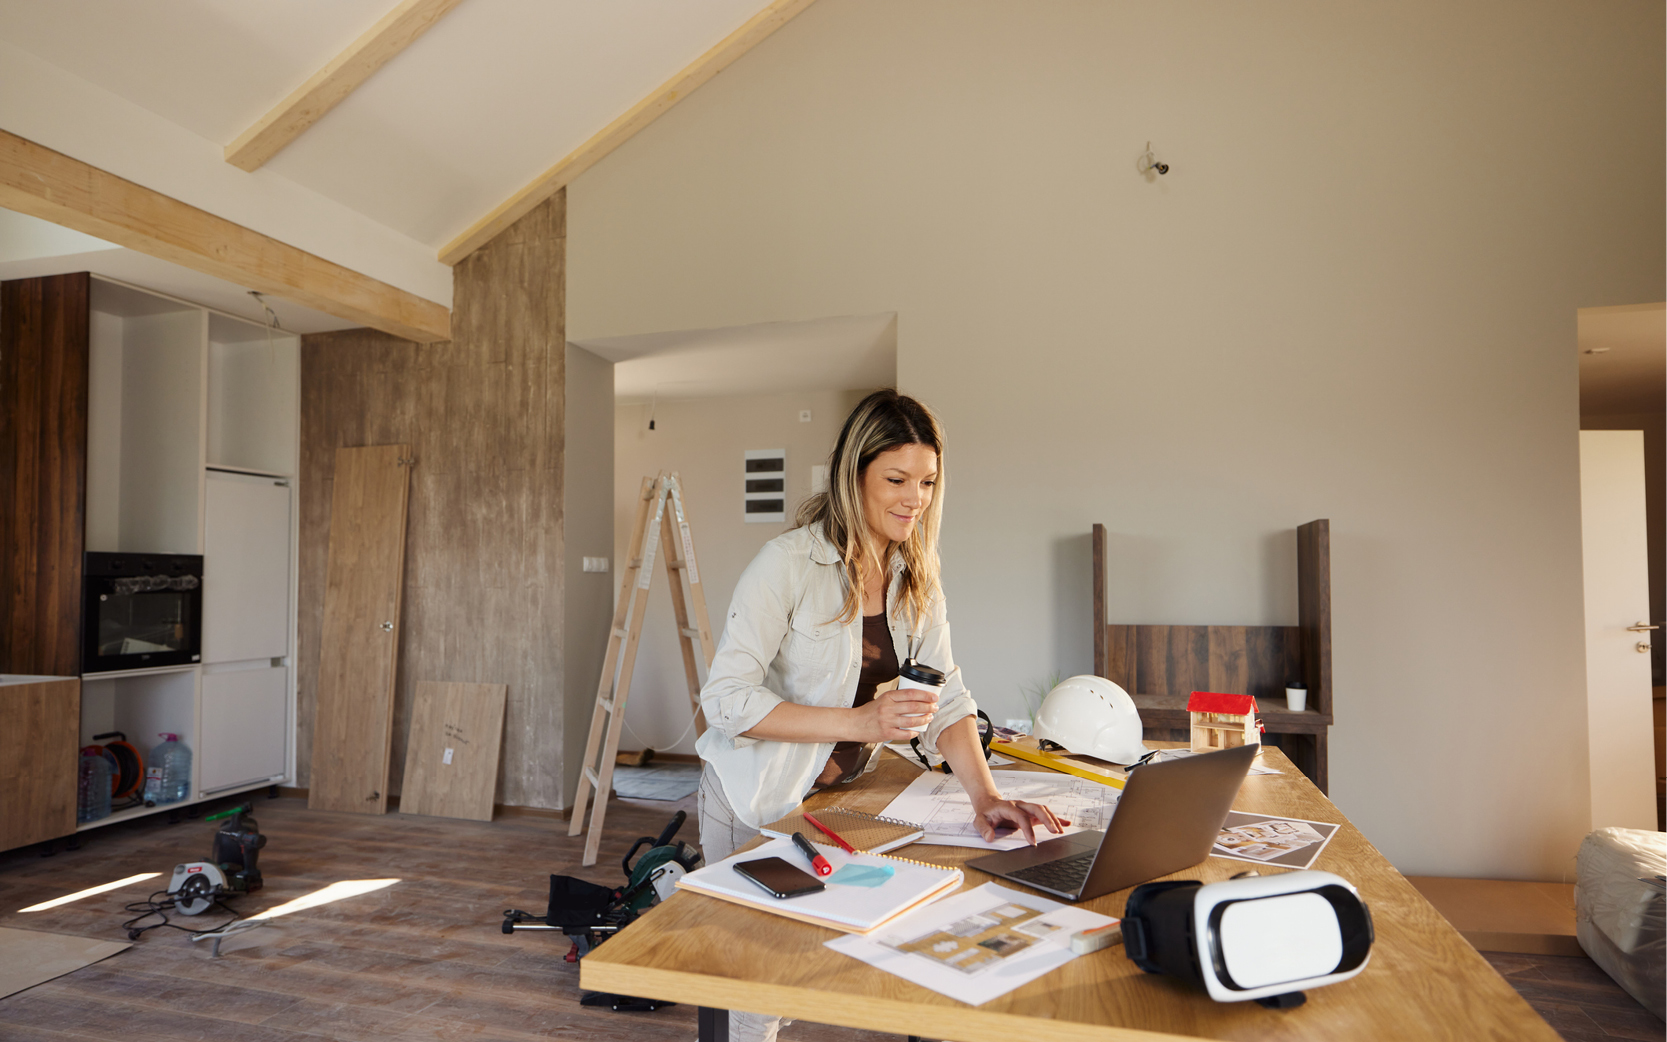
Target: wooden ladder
pixel 669 527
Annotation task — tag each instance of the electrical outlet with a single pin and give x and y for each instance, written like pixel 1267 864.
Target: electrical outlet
pixel 804 415
pixel 596 564
pixel 1017 723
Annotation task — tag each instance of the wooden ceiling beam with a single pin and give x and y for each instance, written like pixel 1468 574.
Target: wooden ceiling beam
pixel 755 31
pixel 308 103
pixel 54 187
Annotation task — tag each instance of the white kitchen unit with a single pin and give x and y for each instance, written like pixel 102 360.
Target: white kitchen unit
pixel 246 605
pixel 193 443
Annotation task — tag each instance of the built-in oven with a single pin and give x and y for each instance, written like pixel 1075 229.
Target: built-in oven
pixel 140 611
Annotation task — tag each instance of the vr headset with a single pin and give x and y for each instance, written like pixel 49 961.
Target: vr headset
pixel 1263 938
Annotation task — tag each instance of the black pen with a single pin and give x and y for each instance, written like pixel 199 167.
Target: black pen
pixel 817 861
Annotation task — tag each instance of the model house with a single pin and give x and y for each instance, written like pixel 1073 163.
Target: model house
pixel 1199 272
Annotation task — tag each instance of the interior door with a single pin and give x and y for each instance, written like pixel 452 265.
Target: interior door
pixel 353 725
pixel 1618 711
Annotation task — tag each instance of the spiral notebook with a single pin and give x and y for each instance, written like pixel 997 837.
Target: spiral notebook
pixel 868 832
pixel 850 908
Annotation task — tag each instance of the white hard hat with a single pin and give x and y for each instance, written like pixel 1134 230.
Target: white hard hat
pixel 1093 717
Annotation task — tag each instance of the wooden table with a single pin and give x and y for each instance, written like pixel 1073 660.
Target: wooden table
pixel 1423 982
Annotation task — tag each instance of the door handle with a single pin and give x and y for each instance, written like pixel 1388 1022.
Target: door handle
pixel 1643 627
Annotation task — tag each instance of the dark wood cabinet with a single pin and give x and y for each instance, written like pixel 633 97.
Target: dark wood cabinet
pixel 40 725
pixel 1160 666
pixel 44 327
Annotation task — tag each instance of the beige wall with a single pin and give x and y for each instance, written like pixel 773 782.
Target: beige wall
pixel 1352 297
pixel 703 440
pixel 588 531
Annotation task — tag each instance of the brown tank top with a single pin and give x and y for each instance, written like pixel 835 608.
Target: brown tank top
pixel 879 664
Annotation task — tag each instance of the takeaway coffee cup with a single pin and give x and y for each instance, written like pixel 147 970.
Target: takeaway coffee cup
pixel 925 678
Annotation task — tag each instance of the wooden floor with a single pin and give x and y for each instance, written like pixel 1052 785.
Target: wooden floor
pixel 425 958
pixel 422 959
pixel 1577 998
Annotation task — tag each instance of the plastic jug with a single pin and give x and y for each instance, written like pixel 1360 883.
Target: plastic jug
pixel 92 794
pixel 172 758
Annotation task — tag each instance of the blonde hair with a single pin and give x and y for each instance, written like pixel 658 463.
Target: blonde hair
pixel 883 421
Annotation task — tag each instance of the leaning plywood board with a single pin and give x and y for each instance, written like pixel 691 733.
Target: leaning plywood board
pixel 353 725
pixel 451 759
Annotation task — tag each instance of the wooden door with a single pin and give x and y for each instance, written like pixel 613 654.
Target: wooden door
pixel 353 723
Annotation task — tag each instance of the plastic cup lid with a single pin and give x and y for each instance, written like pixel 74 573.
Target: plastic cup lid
pixel 922 674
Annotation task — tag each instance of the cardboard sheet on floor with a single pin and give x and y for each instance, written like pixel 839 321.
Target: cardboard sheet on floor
pixel 451 759
pixel 29 957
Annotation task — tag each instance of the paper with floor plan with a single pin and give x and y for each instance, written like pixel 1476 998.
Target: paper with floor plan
pixel 939 805
pixel 1265 839
pixel 977 945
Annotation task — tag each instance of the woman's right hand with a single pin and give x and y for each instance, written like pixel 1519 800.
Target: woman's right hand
pixel 890 715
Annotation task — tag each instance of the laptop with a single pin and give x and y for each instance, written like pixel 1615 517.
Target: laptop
pixel 1167 819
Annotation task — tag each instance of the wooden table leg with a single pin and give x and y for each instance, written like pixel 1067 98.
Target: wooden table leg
pixel 714 1024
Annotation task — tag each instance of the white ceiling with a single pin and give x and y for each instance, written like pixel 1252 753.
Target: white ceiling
pixel 30 248
pixel 847 353
pixel 492 95
pixel 1623 359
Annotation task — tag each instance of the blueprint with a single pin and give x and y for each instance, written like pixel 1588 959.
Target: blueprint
pixel 938 804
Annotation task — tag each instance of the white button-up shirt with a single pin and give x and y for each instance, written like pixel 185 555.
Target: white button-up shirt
pixel 782 643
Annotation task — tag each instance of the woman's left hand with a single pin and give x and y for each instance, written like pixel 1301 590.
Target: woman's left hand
pixel 995 814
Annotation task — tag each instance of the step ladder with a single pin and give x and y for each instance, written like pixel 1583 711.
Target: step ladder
pixel 662 529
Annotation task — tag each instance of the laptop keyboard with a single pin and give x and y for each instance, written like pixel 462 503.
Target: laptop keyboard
pixel 1065 875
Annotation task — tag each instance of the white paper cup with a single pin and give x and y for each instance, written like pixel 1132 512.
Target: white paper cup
pixel 1296 698
pixel 921 678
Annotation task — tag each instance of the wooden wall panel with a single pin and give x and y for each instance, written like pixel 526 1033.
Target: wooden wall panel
pixel 1178 660
pixel 484 416
pixel 43 472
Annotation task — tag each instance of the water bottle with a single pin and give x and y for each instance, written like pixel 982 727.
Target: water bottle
pixel 92 795
pixel 174 759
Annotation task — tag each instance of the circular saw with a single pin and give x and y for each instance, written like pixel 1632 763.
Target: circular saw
pixel 195 885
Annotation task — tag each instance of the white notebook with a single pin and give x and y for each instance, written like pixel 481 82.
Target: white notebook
pixel 848 907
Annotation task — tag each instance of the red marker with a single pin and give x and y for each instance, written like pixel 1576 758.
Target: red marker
pixel 817 861
pixel 848 848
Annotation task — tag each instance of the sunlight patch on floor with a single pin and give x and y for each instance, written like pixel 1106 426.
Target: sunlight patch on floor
pixel 89 892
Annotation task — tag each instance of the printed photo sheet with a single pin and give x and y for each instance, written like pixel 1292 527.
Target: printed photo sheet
pixel 977 945
pixel 939 805
pixel 1266 840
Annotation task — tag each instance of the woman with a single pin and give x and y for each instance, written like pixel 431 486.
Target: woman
pixel 822 617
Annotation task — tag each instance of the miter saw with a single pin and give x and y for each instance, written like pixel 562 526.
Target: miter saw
pixel 232 868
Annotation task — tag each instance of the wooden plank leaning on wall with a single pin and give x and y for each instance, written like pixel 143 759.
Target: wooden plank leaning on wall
pixel 451 754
